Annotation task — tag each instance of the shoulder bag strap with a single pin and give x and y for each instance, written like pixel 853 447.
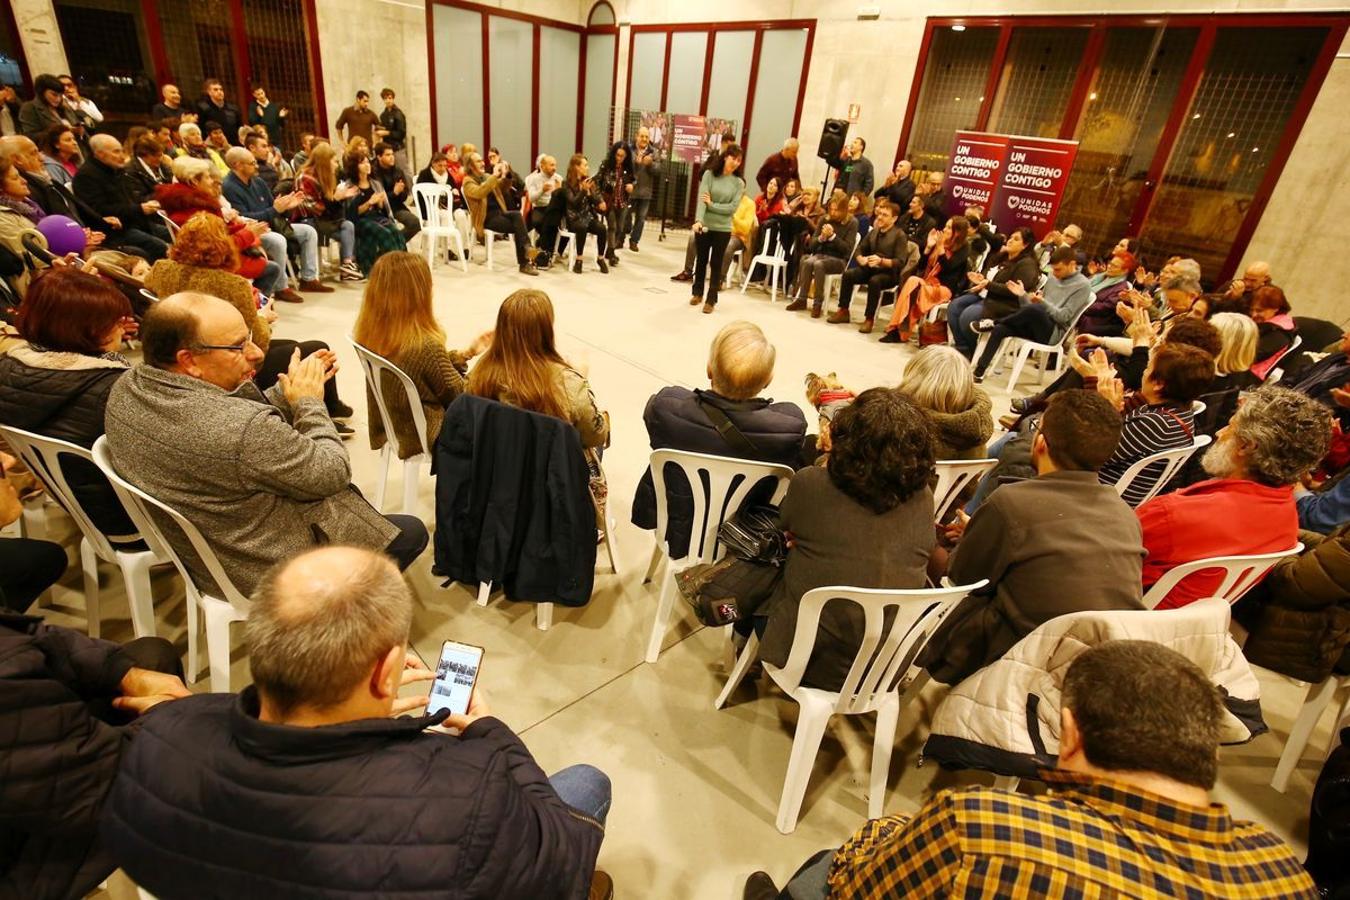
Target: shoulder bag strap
pixel 728 430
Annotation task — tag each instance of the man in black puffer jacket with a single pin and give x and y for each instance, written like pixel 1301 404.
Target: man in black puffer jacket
pixel 65 701
pixel 303 787
pixel 740 366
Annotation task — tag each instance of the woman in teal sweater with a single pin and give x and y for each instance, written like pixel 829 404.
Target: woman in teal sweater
pixel 719 193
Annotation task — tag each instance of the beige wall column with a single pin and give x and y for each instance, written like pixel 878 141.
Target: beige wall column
pixel 40 36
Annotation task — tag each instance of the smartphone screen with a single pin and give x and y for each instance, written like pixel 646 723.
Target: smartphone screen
pixel 456 674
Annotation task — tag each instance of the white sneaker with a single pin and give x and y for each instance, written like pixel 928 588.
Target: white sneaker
pixel 350 272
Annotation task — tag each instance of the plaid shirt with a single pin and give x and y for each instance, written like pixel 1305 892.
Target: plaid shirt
pixel 1086 838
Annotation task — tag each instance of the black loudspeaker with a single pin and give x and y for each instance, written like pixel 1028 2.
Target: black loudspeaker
pixel 832 139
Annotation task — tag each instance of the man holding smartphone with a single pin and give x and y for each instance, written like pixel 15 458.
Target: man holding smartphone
pixel 308 765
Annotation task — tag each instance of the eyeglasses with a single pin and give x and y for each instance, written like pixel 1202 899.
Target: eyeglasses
pixel 236 348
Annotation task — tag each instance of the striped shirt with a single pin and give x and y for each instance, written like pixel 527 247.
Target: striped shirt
pixel 1145 431
pixel 1085 838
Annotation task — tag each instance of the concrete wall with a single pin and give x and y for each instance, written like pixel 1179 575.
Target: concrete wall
pixel 40 36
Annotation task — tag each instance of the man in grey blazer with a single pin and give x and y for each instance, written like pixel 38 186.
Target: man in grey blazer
pixel 262 476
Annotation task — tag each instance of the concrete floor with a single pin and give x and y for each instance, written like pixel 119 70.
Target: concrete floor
pixel 695 790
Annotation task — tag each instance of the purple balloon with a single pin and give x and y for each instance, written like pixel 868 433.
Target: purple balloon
pixel 64 235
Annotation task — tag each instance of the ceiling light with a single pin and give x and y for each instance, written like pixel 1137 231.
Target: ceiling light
pixel 1092 96
pixel 1196 116
pixel 958 28
pixel 1232 134
pixel 1256 149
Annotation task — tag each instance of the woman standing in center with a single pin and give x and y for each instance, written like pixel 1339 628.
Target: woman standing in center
pixel 522 367
pixel 719 193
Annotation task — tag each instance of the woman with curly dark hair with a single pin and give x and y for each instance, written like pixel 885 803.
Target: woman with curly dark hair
pixel 866 520
pixel 616 184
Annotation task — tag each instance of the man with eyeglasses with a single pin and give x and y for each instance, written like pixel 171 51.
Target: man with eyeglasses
pixel 263 476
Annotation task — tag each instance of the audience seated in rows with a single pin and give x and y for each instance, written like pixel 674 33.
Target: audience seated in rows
pixel 57 384
pixel 324 206
pixel 198 190
pixel 147 167
pixel 1237 295
pixel 262 476
pixel 543 188
pixel 309 761
pixel 102 184
pixel 1049 313
pixel 1058 543
pixel 202 260
pixel 396 189
pixel 881 258
pixel 1275 326
pixel 876 482
pixel 396 321
pixel 1129 811
pixel 195 146
pixel 489 209
pixel 51 196
pixel 377 231
pixel 1108 288
pixel 946 275
pixel 1275 438
pixel 730 419
pixel 70 704
pixel 825 253
pixel 993 297
pixel 251 197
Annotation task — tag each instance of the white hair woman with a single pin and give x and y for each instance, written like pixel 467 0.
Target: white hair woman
pixel 740 361
pixel 939 381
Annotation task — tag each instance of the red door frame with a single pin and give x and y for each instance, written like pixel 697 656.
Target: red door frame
pixel 759 27
pixel 538 23
pixel 1336 23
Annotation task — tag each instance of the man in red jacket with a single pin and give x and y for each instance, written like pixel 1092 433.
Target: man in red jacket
pixel 1248 506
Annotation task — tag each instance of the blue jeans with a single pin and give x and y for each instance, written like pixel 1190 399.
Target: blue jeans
pixel 584 788
pixel 637 216
pixel 963 311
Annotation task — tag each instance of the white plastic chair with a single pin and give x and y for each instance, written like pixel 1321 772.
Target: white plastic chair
pixel 572 246
pixel 952 477
pixel 1198 407
pixel 490 238
pixel 1315 701
pixel 1021 349
pixel 1241 573
pixel 434 207
pixel 375 368
pixel 832 282
pixel 882 679
pixel 731 269
pixel 219 605
pixel 43 456
pixel 728 482
pixel 1172 461
pixel 774 259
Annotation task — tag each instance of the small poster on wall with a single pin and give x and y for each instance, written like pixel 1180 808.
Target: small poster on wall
pixel 1019 180
pixel 689 133
pixel 658 130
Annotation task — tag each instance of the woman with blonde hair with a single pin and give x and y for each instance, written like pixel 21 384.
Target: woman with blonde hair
pixel 1239 336
pixel 939 381
pixel 325 205
pixel 522 367
pixel 397 322
pixel 203 259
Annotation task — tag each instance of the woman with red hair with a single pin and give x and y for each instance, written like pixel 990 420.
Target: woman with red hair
pixel 1109 287
pixel 57 384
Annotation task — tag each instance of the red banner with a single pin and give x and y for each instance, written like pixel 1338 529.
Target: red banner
pixel 687 142
pixel 1018 180
pixel 1033 183
pixel 975 170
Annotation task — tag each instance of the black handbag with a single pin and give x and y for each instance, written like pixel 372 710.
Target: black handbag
pixel 736 586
